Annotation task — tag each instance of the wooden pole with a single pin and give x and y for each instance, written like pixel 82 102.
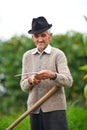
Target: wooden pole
pixel 34 107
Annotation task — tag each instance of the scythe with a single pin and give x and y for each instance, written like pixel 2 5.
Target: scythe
pixel 34 107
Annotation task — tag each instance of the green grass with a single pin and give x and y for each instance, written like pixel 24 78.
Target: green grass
pixel 5 121
pixel 76 116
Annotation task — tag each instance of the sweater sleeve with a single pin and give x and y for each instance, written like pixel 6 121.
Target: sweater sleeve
pixel 64 77
pixel 25 86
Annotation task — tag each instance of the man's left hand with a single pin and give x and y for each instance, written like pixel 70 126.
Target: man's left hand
pixel 45 74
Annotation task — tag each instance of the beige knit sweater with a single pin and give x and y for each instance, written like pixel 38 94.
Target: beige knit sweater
pixel 54 61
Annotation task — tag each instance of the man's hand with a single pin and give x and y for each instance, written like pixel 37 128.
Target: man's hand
pixel 33 80
pixel 44 74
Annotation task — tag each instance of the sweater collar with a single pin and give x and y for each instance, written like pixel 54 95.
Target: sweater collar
pixel 46 50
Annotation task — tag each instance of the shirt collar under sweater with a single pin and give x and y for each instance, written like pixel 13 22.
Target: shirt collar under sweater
pixel 46 50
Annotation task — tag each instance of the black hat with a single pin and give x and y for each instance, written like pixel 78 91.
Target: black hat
pixel 39 25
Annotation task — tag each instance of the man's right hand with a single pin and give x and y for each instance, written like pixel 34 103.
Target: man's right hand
pixel 33 80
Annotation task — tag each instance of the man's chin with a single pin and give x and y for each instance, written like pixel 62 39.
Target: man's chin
pixel 41 48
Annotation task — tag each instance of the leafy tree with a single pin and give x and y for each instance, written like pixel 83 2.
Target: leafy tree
pixel 11 53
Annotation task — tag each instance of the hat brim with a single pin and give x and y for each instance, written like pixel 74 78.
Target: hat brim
pixel 39 31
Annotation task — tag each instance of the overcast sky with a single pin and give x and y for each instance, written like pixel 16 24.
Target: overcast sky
pixel 65 15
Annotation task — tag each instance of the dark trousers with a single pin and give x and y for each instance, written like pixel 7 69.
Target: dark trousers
pixel 55 120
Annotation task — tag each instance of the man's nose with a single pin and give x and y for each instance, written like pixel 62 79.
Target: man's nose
pixel 40 39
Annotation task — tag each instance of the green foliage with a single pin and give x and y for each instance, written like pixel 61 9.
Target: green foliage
pixel 11 53
pixel 72 44
pixel 85 91
pixel 77 119
pixel 85 43
pixel 85 18
pixel 84 67
pixel 11 57
pixel 5 121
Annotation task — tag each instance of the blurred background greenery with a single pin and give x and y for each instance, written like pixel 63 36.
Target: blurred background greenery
pixel 13 99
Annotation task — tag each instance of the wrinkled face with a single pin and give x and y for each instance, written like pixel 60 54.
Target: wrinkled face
pixel 42 40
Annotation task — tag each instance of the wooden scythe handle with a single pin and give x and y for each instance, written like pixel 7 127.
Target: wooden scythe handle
pixel 34 107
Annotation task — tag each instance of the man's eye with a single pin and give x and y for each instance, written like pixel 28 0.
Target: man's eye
pixel 43 35
pixel 36 36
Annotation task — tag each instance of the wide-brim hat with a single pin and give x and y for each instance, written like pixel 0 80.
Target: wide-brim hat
pixel 39 25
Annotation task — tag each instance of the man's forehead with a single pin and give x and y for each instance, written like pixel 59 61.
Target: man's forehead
pixel 45 32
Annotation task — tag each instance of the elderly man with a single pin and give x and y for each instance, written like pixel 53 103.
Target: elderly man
pixel 48 67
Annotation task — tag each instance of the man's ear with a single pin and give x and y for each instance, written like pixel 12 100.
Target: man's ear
pixel 32 37
pixel 51 36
